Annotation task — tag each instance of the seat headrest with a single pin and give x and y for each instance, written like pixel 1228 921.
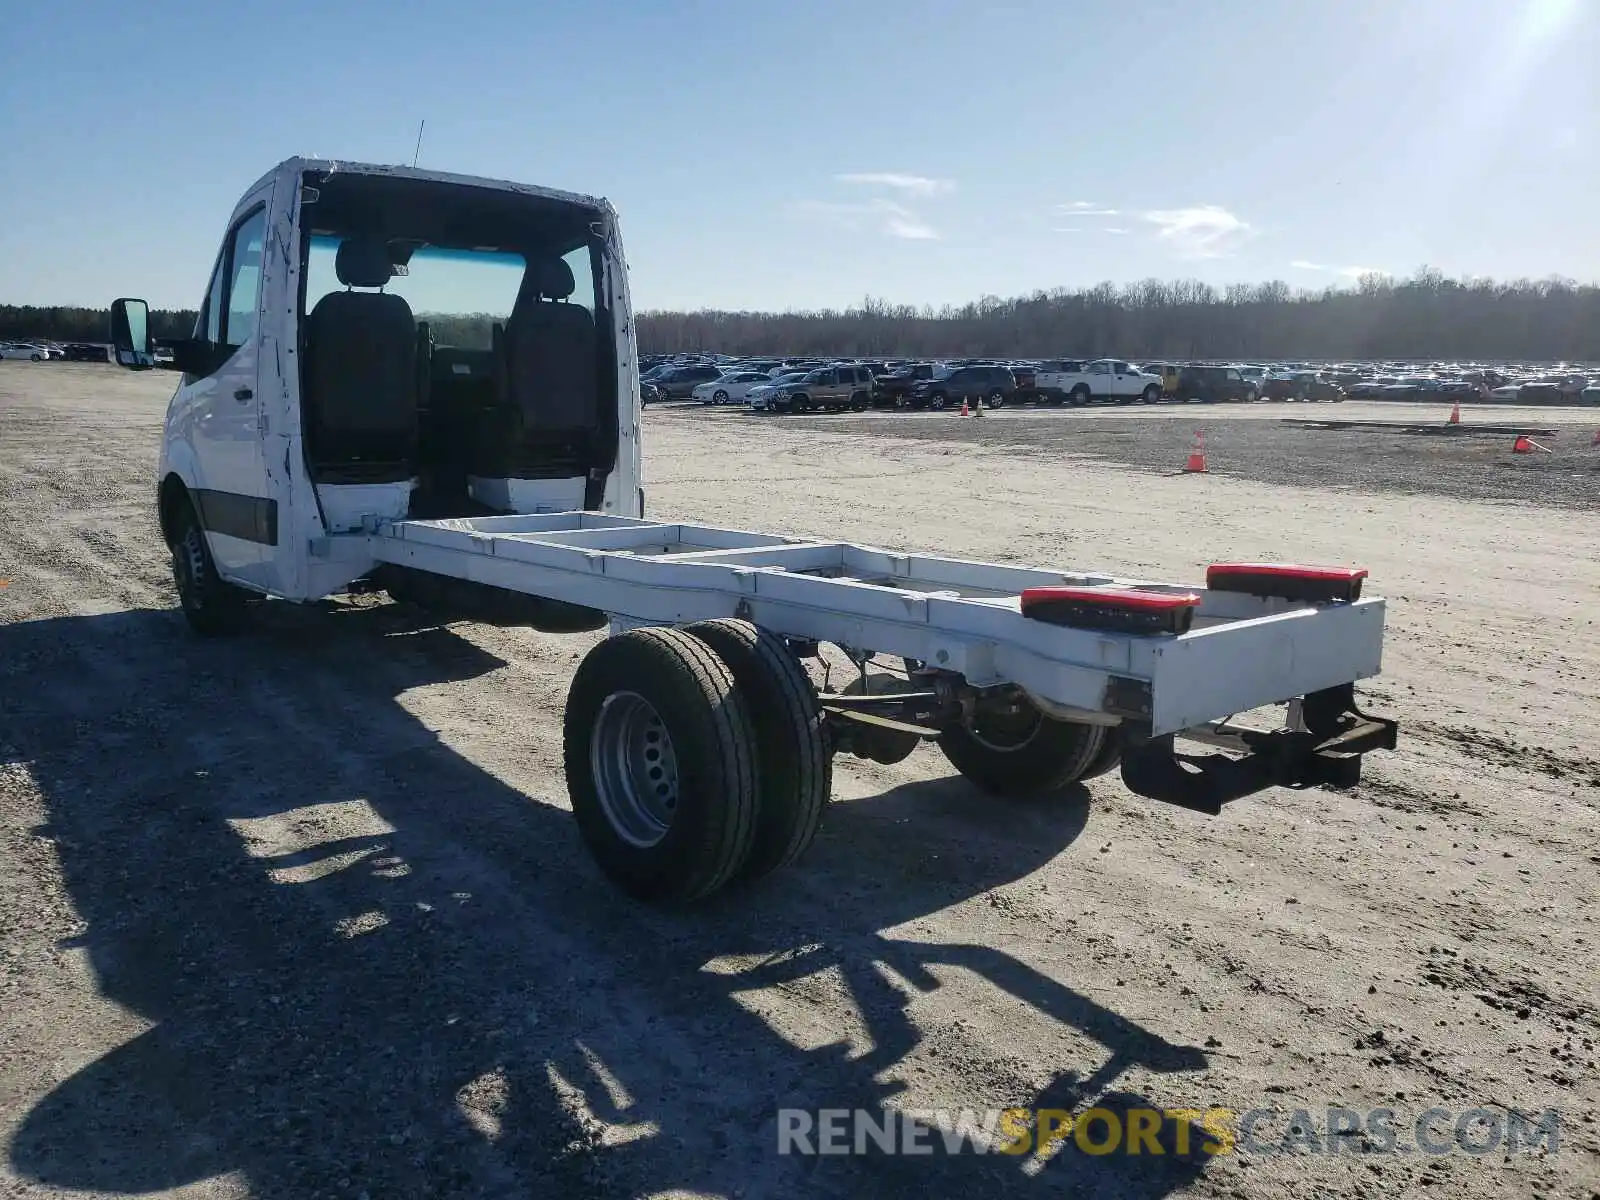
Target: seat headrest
pixel 550 278
pixel 363 262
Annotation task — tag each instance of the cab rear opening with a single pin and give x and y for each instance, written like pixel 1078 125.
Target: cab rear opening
pixel 453 348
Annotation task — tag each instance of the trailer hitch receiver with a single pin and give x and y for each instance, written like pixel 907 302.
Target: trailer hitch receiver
pixel 1326 752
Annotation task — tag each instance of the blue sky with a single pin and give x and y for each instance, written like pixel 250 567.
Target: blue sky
pixel 810 153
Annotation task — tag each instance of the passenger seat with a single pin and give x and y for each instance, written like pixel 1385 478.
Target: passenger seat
pixel 546 381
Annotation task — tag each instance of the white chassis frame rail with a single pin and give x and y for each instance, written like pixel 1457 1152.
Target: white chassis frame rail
pixel 1243 652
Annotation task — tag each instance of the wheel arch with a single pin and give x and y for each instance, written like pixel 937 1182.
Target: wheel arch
pixel 172 496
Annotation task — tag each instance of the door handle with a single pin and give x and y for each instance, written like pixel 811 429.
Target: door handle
pixel 243 394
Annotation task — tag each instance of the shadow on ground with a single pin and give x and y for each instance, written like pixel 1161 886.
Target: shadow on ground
pixel 374 968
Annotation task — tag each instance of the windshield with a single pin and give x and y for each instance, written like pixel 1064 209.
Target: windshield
pixel 461 293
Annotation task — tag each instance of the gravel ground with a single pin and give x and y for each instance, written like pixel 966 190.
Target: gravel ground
pixel 305 914
pixel 1323 446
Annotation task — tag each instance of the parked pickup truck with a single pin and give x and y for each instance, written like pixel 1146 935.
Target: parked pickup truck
pixel 1103 379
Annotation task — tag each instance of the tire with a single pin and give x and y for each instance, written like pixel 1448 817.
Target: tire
pixel 1250 396
pixel 1152 394
pixel 719 397
pixel 995 399
pixel 1027 763
pixel 212 606
pixel 1080 396
pixel 1108 758
pixel 35 358
pixel 660 761
pixel 794 760
pixel 937 401
pixel 859 402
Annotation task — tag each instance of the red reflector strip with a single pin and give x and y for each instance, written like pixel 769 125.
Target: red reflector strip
pixel 1284 571
pixel 1315 585
pixel 1128 599
pixel 1115 610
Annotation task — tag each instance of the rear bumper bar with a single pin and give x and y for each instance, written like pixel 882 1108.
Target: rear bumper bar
pixel 1327 752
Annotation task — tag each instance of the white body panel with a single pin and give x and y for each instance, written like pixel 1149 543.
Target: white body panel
pixel 346 506
pixel 529 495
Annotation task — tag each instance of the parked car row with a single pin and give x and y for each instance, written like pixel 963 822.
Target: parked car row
pixel 44 351
pixel 813 385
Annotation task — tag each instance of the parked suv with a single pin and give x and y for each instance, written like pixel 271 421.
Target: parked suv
pixel 679 382
pixel 894 389
pixel 986 385
pixel 824 390
pixel 1211 384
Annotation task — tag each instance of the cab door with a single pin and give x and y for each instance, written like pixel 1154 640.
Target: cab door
pixel 221 405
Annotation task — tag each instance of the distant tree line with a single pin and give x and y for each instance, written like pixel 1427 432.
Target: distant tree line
pixel 1427 316
pixel 62 323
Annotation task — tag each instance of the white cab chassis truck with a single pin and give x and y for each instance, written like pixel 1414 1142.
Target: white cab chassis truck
pixel 426 384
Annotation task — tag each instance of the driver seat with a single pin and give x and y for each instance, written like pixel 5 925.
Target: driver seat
pixel 361 385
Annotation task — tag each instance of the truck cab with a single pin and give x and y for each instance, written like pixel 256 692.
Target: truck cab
pixel 379 342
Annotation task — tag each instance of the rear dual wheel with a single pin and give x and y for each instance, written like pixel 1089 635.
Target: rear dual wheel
pixel 694 757
pixel 1018 752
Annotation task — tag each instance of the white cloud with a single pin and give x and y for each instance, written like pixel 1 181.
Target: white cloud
pixel 1204 231
pixel 1086 208
pixel 884 216
pixel 1078 229
pixel 1301 264
pixel 915 185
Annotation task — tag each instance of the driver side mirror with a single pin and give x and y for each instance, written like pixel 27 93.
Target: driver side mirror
pixel 130 334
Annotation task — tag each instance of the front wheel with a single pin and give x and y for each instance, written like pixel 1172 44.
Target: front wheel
pixel 1250 396
pixel 212 606
pixel 1018 752
pixel 937 401
pixel 994 399
pixel 858 402
pixel 719 397
pixel 1152 394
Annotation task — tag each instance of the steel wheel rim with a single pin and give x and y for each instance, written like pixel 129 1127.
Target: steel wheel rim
pixel 1005 736
pixel 186 569
pixel 635 769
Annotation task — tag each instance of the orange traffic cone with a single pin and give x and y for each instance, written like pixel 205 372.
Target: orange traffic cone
pixel 965 411
pixel 1455 413
pixel 1197 455
pixel 1523 445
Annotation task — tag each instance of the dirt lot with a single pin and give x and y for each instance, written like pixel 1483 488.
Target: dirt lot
pixel 304 914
